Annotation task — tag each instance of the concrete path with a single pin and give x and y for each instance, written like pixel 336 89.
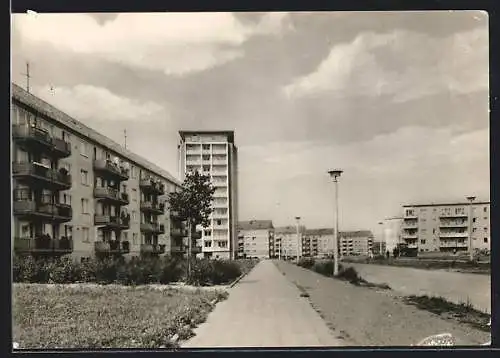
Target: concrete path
pixel 263 310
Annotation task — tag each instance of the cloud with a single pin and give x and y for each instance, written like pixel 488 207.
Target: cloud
pixel 377 64
pixel 410 164
pixel 173 43
pixel 96 104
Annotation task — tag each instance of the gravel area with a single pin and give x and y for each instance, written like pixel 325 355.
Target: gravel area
pixel 370 317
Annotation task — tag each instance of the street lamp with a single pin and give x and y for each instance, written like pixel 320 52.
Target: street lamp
pixel 297 220
pixel 335 174
pixel 471 253
pixel 381 239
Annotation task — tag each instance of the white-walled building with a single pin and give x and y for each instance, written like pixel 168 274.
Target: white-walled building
pixel 392 232
pixel 214 153
pixel 255 239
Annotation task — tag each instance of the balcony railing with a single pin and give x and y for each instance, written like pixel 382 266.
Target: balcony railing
pixel 42 175
pixel 154 249
pixel 451 224
pixel 151 186
pixel 49 212
pixel 453 234
pixel 40 140
pixel 43 245
pixel 106 166
pixel 111 194
pixel 148 206
pixel 178 232
pixel 116 222
pixel 445 214
pixel 153 228
pixel 112 247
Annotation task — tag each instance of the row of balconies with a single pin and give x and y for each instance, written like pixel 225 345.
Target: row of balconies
pixel 149 185
pixel 54 212
pixel 40 140
pixel 109 168
pixel 43 245
pixel 154 228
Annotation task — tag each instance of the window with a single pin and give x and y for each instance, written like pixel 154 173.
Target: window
pixel 422 242
pixel 84 149
pixel 65 198
pixel 473 220
pixel 124 236
pixel 222 244
pixel 134 194
pixel 134 215
pixel 206 146
pixel 485 240
pixel 84 175
pixel 85 206
pixel 208 244
pixel 134 238
pixel 486 229
pixel 433 231
pixel 206 168
pixel 86 234
pixel 473 229
pixel 219 222
pixel 207 232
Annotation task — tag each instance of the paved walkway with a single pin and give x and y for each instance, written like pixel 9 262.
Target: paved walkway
pixel 263 310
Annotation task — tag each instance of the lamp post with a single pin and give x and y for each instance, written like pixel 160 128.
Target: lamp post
pixel 381 239
pixel 297 221
pixel 471 253
pixel 335 174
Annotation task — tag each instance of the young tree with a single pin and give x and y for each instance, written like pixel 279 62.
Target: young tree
pixel 193 203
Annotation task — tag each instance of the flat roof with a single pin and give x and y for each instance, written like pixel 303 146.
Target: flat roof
pixel 255 225
pixel 229 133
pixel 22 96
pixel 446 204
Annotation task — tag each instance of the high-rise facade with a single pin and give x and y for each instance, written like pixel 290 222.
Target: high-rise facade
pixel 214 153
pixel 445 227
pixel 78 192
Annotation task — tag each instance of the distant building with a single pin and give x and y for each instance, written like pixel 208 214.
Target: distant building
pixel 355 243
pixel 392 232
pixel 318 241
pixel 285 241
pixel 255 239
pixel 445 227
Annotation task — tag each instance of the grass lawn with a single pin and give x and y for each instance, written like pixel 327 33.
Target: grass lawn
pixel 83 316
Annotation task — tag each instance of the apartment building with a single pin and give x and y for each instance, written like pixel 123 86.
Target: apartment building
pixel 355 243
pixel 286 243
pixel 214 153
pixel 255 239
pixel 318 242
pixel 445 227
pixel 392 232
pixel 78 192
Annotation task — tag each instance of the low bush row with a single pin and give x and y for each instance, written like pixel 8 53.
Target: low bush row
pixel 325 268
pixel 136 271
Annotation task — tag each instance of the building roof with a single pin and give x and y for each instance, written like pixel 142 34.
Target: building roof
pixel 255 225
pixel 37 104
pixel 446 204
pixel 329 231
pixel 228 133
pixel 283 230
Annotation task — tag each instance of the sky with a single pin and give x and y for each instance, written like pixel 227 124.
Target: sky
pixel 398 100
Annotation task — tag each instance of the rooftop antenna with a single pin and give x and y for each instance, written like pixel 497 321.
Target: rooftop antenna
pixel 28 76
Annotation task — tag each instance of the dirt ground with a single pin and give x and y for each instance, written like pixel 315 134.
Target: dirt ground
pixel 371 317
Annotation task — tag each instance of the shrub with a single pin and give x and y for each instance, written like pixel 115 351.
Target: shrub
pixel 207 272
pixel 306 262
pixel 350 274
pixel 172 270
pixel 323 267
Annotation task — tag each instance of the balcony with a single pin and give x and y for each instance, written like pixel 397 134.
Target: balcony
pixel 410 224
pixel 220 204
pixel 107 167
pixel 155 208
pixel 153 228
pixel 178 232
pixel 151 186
pixel 220 194
pixel 444 214
pixel 40 140
pixel 177 249
pixel 453 234
pixel 43 245
pixel 152 249
pixel 451 224
pixel 452 244
pixel 37 174
pixel 112 222
pixel 112 247
pixel 58 213
pixel 111 195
